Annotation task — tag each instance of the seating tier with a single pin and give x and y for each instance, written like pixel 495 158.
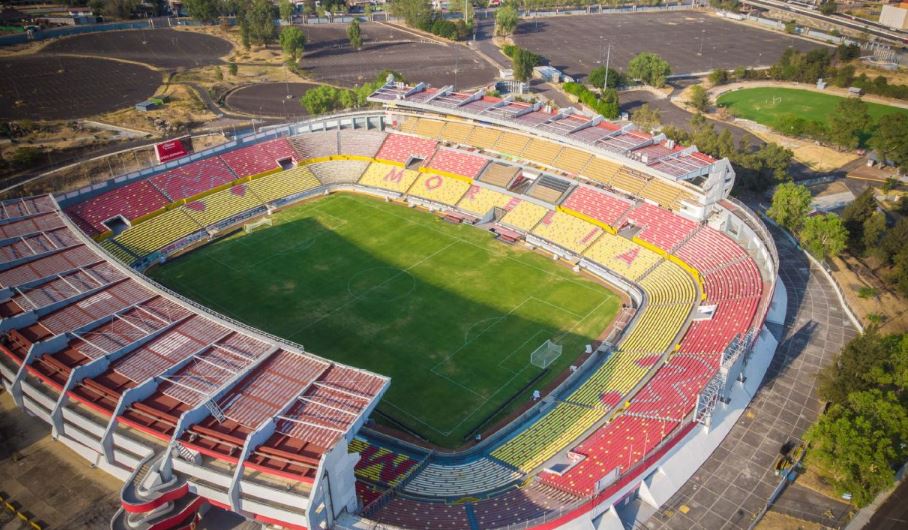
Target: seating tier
pixel 339 171
pixel 283 184
pixel 622 256
pixel 598 205
pixel 401 148
pixel 437 188
pixel 315 145
pixel 193 178
pixel 222 205
pixel 388 177
pixel 660 227
pixel 523 215
pixel 479 201
pixel 458 162
pixel 258 158
pixel 567 231
pixel 358 142
pixel 131 201
pixel 158 232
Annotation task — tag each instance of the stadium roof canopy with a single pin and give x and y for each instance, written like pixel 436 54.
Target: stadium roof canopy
pixel 622 140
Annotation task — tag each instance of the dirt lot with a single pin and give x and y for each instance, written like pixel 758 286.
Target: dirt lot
pixel 576 44
pixel 330 59
pixel 47 480
pixel 163 48
pixel 269 99
pixel 44 87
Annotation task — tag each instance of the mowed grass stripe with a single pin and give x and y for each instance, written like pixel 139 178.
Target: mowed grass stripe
pixel 447 312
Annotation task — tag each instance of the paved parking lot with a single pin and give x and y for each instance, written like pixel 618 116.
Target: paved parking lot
pixel 690 41
pixel 330 59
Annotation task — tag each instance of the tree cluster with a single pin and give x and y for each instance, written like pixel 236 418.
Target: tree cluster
pixel 602 77
pixel 850 125
pixel 604 103
pixel 649 68
pixel 830 65
pixel 863 436
pixel 420 15
pixel 870 236
pixel 506 20
pixel 822 235
pixel 522 61
pixel 756 169
pixel 324 98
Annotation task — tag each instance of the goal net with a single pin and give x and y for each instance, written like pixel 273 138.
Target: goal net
pixel 255 225
pixel 545 355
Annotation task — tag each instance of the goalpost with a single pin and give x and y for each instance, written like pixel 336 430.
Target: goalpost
pixel 545 355
pixel 255 225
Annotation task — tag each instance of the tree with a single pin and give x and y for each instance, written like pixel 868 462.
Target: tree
pixel 790 205
pixel 891 141
pixel 245 35
pixel 258 19
pixel 416 13
pixel 775 159
pixel 232 68
pixel 599 79
pixel 858 442
pixel 829 7
pixel 203 10
pixel 855 215
pixel 120 8
pixel 355 34
pixel 292 42
pixel 894 241
pixel 523 62
pixel 649 68
pixel 699 98
pixel 791 27
pixel 646 117
pixel 824 235
pixel 873 229
pixel 848 121
pixel 506 19
pixel 719 76
pixel 286 10
pixel 320 99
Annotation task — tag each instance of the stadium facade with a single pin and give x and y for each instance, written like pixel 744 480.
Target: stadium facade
pixel 192 409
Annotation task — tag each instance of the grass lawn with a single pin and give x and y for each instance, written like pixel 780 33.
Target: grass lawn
pixel 450 314
pixel 769 105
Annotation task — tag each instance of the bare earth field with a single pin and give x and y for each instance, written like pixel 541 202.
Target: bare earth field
pixel 47 87
pixel 330 59
pixel 163 48
pixel 577 44
pixel 269 99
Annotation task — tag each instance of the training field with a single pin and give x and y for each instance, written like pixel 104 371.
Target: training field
pixel 770 105
pixel 450 314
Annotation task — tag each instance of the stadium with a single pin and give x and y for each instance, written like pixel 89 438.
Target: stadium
pixel 587 296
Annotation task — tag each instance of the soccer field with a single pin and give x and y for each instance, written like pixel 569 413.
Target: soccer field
pixel 770 105
pixel 450 314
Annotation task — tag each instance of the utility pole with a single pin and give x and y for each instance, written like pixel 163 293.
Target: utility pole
pixel 608 57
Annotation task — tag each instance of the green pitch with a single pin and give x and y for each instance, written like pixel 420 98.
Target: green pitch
pixel 770 105
pixel 450 314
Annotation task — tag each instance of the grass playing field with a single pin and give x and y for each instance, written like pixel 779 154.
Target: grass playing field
pixel 770 105
pixel 450 314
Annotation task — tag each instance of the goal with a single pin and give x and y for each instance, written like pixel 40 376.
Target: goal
pixel 255 225
pixel 545 355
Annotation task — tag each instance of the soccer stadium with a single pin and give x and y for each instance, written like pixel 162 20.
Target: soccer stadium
pixel 451 311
